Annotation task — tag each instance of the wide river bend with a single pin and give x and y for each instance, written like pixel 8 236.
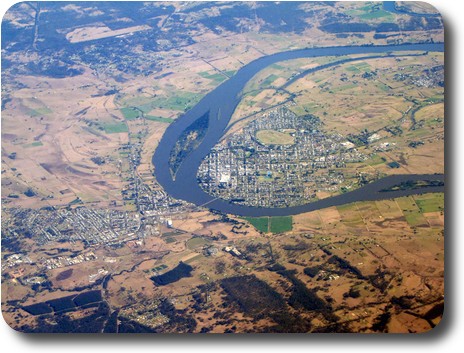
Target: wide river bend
pixel 221 103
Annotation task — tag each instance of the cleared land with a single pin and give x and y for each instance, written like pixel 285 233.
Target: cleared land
pixel 378 265
pixel 85 34
pixel 272 137
pixel 271 224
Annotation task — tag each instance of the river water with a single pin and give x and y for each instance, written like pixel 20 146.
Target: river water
pixel 221 103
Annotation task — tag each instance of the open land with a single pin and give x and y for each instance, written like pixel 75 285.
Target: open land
pixel 89 236
pixel 333 137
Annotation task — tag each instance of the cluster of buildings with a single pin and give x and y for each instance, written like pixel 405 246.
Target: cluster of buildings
pixel 99 274
pixel 93 226
pixel 154 201
pixel 430 77
pixel 145 313
pixel 62 261
pixel 233 251
pixel 149 200
pixel 246 170
pixel 15 260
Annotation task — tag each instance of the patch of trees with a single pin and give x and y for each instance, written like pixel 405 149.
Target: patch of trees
pixel 387 27
pixel 404 302
pixel 29 192
pixel 88 297
pixel 343 264
pixel 55 69
pixel 394 130
pixel 38 309
pixel 312 271
pixel 300 246
pixel 201 296
pixel 254 297
pixel 98 160
pixel 62 323
pixel 276 267
pixel 360 139
pixel 312 119
pixel 111 325
pixel 380 280
pixel 411 184
pixel 67 303
pixel 325 250
pixel 333 328
pixel 381 321
pixel 302 297
pixel 179 321
pixel 180 271
pixel 11 244
pixel 288 323
pixel 435 312
pixel 220 266
pixel 188 141
pixel 258 300
pixel 421 24
pixel 352 293
pixel 414 144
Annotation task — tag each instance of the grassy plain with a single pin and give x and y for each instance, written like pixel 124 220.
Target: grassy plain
pixel 271 224
pixel 48 143
pixel 280 224
pixel 272 137
pixel 260 223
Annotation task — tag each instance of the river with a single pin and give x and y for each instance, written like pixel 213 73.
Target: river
pixel 221 103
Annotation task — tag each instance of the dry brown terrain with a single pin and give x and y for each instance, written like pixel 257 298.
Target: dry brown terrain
pixel 364 267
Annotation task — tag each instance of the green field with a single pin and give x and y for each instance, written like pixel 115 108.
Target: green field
pixel 114 128
pixel 130 113
pixel 34 144
pixel 277 67
pixel 281 224
pixel 39 111
pixel 274 224
pixel 268 80
pixel 375 160
pixel 272 137
pixel 159 119
pixel 180 100
pixel 193 259
pixel 260 223
pixel 194 243
pixel 431 202
pixel 371 12
pixel 350 216
pixel 411 211
pixel 359 67
pixel 376 14
pixel 216 77
pixel 343 88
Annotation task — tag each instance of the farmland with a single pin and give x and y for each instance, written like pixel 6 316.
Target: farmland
pixel 93 242
pixel 271 224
